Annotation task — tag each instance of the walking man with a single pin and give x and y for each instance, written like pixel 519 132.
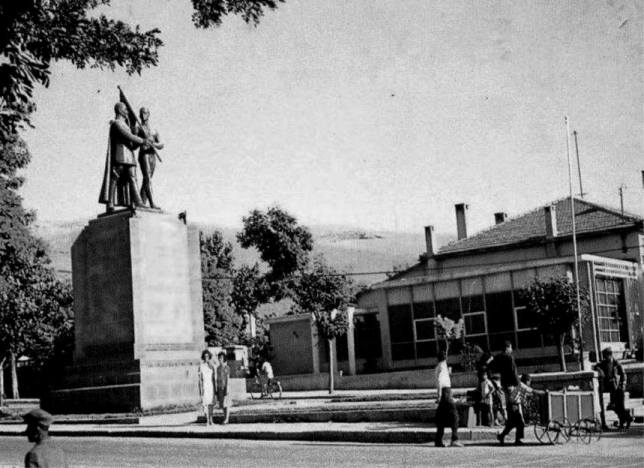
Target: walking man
pixel 612 379
pixel 446 413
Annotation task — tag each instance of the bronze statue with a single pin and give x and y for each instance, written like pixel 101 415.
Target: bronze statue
pixel 119 180
pixel 148 155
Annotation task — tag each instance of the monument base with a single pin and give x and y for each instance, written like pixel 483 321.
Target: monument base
pixel 138 316
pixel 125 386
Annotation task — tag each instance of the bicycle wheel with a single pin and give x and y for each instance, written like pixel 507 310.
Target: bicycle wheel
pixel 277 390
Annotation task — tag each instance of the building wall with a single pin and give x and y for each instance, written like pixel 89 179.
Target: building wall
pixel 492 309
pixel 293 346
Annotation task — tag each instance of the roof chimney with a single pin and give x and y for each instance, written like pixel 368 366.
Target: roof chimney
pixel 550 217
pixel 461 220
pixel 500 217
pixel 429 240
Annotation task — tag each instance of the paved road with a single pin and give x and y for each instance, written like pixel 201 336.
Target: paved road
pixel 614 451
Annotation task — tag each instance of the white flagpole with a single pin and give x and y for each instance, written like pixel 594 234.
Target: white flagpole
pixel 574 243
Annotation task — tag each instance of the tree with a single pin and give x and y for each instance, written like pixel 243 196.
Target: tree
pixel 324 293
pixel 448 330
pixel 33 33
pixel 282 244
pixel 35 313
pixel 32 301
pixel 553 305
pixel 222 324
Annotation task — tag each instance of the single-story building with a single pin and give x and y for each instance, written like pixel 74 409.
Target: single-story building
pixel 478 278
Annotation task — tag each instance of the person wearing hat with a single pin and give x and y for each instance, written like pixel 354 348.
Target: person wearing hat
pixel 43 453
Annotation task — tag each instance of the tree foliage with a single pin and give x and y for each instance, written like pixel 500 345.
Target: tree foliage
pixel 250 290
pixel 35 307
pixel 553 304
pixel 282 243
pixel 449 330
pixel 222 324
pixel 34 33
pixel 325 293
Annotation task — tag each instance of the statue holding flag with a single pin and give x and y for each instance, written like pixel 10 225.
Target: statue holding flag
pixel 119 186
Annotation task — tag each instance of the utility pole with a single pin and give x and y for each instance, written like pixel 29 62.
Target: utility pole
pixel 574 245
pixel 581 187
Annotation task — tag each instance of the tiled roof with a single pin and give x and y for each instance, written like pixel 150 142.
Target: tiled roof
pixel 589 217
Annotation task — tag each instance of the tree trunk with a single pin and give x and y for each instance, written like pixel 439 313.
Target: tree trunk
pixel 15 394
pixel 560 348
pixel 331 367
pixel 2 381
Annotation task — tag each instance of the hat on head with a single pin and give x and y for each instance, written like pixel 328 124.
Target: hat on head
pixel 38 416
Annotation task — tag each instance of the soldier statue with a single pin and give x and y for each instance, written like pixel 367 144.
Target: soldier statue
pixel 119 180
pixel 148 155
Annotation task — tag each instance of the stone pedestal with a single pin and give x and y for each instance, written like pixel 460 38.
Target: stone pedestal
pixel 138 315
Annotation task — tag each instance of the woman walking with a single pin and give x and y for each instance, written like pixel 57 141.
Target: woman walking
pixel 207 384
pixel 223 372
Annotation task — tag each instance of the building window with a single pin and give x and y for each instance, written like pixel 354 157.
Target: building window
pixel 611 311
pixel 367 336
pixel 450 308
pixel 528 334
pixel 425 330
pixel 401 332
pixel 500 319
pixel 474 324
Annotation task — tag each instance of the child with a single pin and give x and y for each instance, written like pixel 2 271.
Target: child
pixel 486 403
pixel 223 372
pixel 499 411
pixel 517 395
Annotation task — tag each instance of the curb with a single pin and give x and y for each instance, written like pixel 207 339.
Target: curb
pixel 391 437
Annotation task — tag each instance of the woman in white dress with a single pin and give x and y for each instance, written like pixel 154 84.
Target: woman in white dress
pixel 207 384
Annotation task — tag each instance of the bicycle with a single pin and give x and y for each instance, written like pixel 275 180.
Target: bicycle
pixel 273 389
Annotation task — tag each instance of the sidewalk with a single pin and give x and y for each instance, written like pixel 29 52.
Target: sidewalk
pixel 394 432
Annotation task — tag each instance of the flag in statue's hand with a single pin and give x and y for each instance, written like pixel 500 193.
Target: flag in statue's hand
pixel 131 116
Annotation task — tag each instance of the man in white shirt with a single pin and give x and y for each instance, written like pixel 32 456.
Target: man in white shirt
pixel 267 376
pixel 446 413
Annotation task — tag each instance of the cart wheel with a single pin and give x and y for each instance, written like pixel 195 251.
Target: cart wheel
pixel 598 429
pixel 549 433
pixel 584 430
pixel 593 427
pixel 566 429
pixel 540 433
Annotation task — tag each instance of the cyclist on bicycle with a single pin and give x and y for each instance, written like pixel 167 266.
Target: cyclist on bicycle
pixel 267 376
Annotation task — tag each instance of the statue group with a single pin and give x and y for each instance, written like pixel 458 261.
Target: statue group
pixel 126 134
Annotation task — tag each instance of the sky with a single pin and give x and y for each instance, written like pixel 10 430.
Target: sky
pixel 378 114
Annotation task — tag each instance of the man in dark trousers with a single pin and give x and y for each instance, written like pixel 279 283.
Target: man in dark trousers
pixel 446 413
pixel 43 453
pixel 612 379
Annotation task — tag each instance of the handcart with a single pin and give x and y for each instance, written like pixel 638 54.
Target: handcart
pixel 564 415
